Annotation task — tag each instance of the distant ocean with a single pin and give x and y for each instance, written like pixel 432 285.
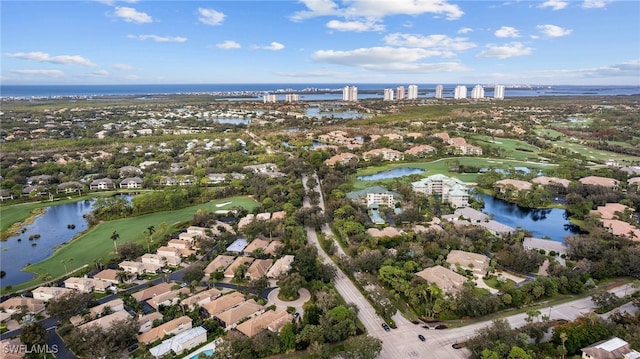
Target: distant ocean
pixel 425 90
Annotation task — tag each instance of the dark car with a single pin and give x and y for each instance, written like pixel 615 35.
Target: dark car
pixel 386 326
pixel 132 348
pixel 296 315
pixel 421 337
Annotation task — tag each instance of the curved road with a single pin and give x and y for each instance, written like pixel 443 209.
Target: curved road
pixel 403 342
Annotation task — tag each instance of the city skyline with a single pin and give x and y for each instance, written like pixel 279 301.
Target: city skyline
pixel 587 42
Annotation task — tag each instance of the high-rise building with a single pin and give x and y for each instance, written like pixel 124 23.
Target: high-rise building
pixel 477 92
pixel 400 93
pixel 498 92
pixel 388 94
pixel 350 93
pixel 439 91
pixel 292 97
pixel 413 92
pixel 269 98
pixel 460 92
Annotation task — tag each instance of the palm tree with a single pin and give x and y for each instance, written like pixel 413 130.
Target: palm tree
pixel 151 230
pixel 114 237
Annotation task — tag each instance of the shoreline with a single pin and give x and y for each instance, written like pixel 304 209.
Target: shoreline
pixel 14 229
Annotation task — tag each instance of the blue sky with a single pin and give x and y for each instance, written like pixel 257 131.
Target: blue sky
pixel 591 42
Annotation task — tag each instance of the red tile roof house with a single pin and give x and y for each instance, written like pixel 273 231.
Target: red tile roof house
pixel 15 304
pixel 175 326
pixel 613 211
pixel 219 263
pixel 272 320
pixel 223 303
pixel 600 181
pixel 231 316
pixel 545 181
pixel 342 158
pixel 151 292
pixel 168 298
pixel 622 229
pixel 201 298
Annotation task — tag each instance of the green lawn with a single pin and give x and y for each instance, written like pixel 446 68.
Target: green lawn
pixel 440 167
pixel 96 245
pixel 595 155
pixel 547 132
pixel 513 149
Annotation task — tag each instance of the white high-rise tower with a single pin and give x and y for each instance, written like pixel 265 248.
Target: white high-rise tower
pixel 460 92
pixel 439 91
pixel 413 92
pixel 388 94
pixel 498 92
pixel 477 92
pixel 350 93
pixel 400 93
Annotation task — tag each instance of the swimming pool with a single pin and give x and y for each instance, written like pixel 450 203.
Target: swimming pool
pixel 208 352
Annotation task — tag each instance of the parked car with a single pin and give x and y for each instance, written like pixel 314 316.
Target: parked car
pixel 421 337
pixel 386 327
pixel 296 315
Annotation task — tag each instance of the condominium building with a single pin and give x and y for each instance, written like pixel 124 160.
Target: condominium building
pixel 350 93
pixel 292 97
pixel 400 93
pixel 451 190
pixel 413 92
pixel 498 92
pixel 477 92
pixel 439 91
pixel 388 94
pixel 269 98
pixel 460 92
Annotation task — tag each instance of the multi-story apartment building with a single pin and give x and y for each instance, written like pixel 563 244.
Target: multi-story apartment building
pixel 460 92
pixel 292 97
pixel 350 93
pixel 388 94
pixel 498 92
pixel 477 92
pixel 269 98
pixel 413 92
pixel 400 93
pixel 439 91
pixel 451 190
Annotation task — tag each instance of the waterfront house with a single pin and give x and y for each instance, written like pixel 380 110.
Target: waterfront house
pixel 131 183
pixel 386 154
pixel 102 184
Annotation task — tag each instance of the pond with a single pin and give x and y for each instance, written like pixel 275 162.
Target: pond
pixel 547 222
pixel 394 173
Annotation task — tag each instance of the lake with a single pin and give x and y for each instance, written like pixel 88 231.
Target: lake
pixel 547 222
pixel 53 231
pixel 394 173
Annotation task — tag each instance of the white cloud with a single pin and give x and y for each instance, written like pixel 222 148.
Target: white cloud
pixel 100 73
pixel 356 26
pixel 210 16
pixel 229 44
pixel 554 4
pixel 44 57
pixel 46 73
pixel 387 59
pixel 122 67
pixel 315 8
pixel 274 46
pixel 507 31
pixel 553 30
pixel 629 69
pixel 377 9
pixel 303 74
pixel 595 4
pixel 444 43
pixel 130 14
pixel 505 51
pixel 157 38
pixel 465 30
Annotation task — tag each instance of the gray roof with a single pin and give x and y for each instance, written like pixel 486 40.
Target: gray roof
pixel 546 244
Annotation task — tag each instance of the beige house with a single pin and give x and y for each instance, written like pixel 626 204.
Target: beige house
pixel 151 292
pixel 138 267
pixel 447 280
pixel 478 263
pixel 272 320
pixel 623 229
pixel 280 267
pixel 273 248
pixel 106 321
pixel 47 293
pixel 219 263
pixel 230 272
pixel 115 305
pixel 420 150
pixel 175 326
pixel 146 321
pixel 386 154
pixel 168 298
pixel 81 284
pixel 223 303
pixel 516 185
pixel 201 298
pixel 255 245
pixel 545 181
pixel 179 244
pixel 599 181
pixel 258 268
pixel 232 315
pixel 15 305
pixel 342 158
pixel 385 232
pixel 108 275
pixel 609 210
